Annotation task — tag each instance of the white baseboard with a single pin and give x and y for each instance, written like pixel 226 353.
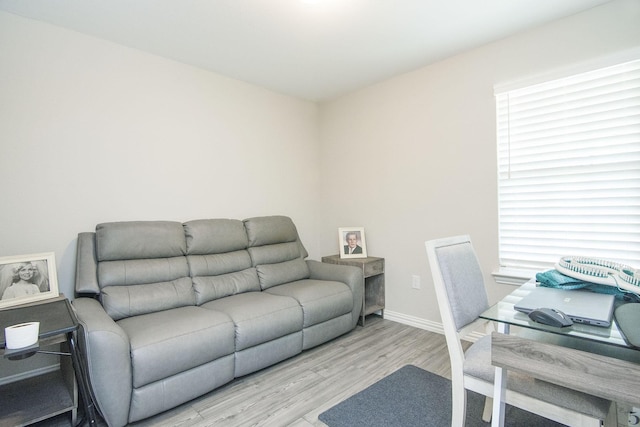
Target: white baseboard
pixel 425 324
pixel 416 322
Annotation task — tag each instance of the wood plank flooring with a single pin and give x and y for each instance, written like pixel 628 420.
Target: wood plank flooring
pixel 294 392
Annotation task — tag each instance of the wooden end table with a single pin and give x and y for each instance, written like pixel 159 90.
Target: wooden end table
pixel 373 272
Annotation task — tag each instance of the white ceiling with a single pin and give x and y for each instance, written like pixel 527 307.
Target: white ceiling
pixel 312 49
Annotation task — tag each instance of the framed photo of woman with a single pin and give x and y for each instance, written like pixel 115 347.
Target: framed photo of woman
pixel 27 278
pixel 352 242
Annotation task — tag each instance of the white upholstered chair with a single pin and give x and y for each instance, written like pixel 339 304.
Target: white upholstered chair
pixel 462 297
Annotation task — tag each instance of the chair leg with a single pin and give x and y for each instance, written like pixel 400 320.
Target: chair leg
pixel 458 406
pixel 612 416
pixel 488 409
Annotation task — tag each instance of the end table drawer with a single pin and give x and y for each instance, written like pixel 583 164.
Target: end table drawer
pixel 373 268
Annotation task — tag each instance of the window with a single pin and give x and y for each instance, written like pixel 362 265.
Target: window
pixel 569 169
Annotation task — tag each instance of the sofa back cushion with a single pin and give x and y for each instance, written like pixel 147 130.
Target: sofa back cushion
pixel 139 240
pixel 147 266
pixel 214 236
pixel 276 251
pixel 218 259
pixel 142 267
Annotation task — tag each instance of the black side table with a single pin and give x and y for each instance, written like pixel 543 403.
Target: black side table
pixel 35 399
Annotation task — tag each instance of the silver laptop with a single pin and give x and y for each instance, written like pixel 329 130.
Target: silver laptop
pixel 580 305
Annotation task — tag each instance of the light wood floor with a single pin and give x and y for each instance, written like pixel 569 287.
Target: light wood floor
pixel 296 391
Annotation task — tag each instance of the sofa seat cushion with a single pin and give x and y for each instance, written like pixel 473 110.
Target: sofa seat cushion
pixel 321 300
pixel 259 317
pixel 168 342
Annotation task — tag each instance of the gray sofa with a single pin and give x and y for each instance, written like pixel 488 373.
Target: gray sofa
pixel 170 311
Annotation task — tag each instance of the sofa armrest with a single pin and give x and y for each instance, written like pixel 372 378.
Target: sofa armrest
pixel 109 364
pixel 351 276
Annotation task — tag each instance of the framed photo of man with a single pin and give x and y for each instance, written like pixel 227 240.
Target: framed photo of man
pixel 27 278
pixel 352 242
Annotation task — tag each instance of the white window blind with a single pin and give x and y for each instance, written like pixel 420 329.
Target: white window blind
pixel 569 169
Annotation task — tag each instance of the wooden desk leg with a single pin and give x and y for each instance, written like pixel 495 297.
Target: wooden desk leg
pixel 499 387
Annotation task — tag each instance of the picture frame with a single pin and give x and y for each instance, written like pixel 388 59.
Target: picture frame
pixel 27 278
pixel 352 237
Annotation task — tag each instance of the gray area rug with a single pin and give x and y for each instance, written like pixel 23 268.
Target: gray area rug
pixel 412 396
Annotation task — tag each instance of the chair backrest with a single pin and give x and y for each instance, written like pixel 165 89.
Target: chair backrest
pixel 458 280
pixel 460 291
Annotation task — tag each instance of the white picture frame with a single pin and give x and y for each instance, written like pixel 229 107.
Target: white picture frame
pixel 347 238
pixel 27 278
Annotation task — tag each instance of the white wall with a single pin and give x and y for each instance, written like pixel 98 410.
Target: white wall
pixel 421 149
pixel 91 131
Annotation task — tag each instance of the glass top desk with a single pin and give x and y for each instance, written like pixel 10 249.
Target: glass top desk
pixel 604 346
